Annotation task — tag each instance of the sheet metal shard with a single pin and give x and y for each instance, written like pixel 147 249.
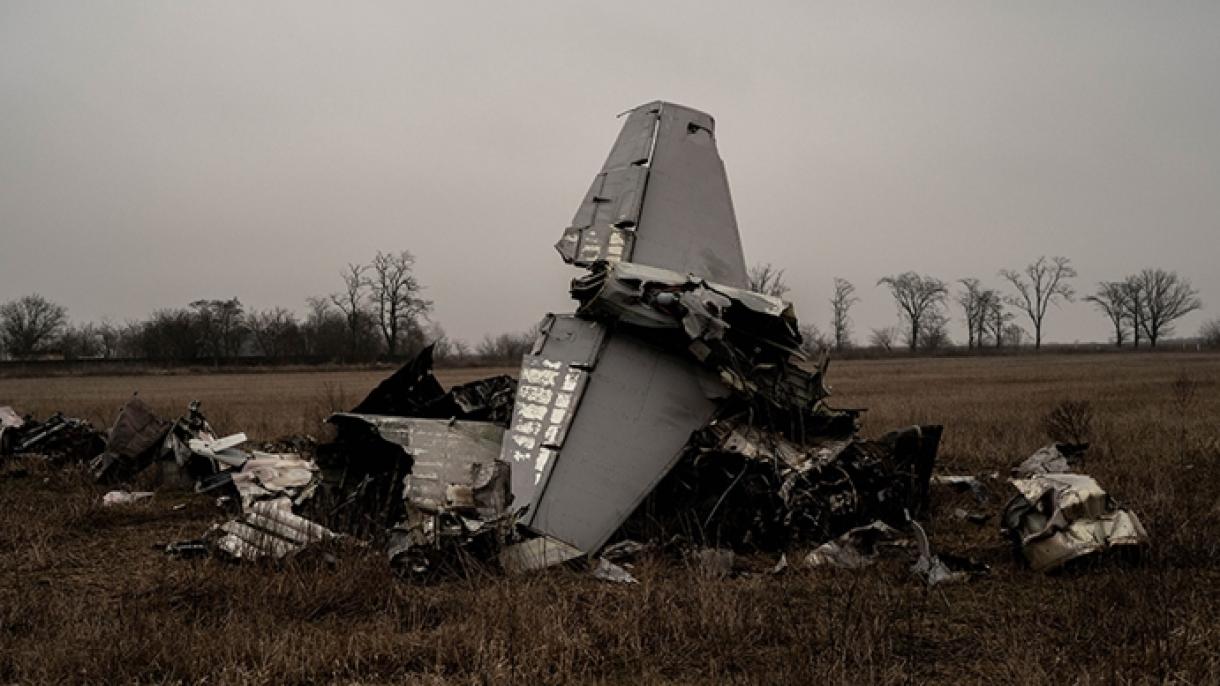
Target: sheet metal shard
pixel 267 476
pixel 454 464
pixel 1060 517
pixel 136 440
pixel 661 199
pixel 269 529
pixel 537 553
pixel 413 391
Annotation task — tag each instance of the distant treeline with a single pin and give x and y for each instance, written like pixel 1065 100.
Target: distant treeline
pixel 380 314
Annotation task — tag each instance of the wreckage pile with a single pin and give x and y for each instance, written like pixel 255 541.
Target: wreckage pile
pixel 673 405
pixel 65 439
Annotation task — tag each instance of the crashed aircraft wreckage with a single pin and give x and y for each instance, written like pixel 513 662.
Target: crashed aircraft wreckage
pixel 672 392
pixel 673 404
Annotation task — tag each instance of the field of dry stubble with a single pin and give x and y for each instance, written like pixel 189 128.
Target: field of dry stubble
pixel 86 596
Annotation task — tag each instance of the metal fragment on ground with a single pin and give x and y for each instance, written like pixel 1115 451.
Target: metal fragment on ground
pixel 605 570
pixel 856 548
pixel 266 476
pixel 58 438
pixel 124 497
pixel 269 529
pixel 536 553
pixel 454 490
pixel 1054 458
pixel 929 566
pixel 1057 518
pixel 135 440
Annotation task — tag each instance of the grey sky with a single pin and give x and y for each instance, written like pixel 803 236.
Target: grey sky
pixel 156 153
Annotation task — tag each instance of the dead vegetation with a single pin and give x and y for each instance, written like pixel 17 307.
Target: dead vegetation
pixel 85 597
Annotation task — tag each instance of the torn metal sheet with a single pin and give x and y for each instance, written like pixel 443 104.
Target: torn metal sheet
pixel 406 392
pixel 454 491
pixel 749 487
pixel 1055 458
pixel 267 476
pixel 222 451
pixel 413 391
pixel 537 553
pixel 455 464
pixel 269 529
pixel 930 567
pixel 855 548
pixel 661 199
pixel 1061 517
pixel 135 440
pixel 706 312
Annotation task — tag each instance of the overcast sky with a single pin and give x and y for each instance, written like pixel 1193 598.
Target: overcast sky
pixel 154 153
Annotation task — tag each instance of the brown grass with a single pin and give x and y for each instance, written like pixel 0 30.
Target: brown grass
pixel 84 596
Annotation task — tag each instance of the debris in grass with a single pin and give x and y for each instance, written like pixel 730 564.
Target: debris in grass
pixel 124 497
pixel 1059 516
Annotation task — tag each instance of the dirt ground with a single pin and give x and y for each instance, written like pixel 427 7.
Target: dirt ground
pixel 86 595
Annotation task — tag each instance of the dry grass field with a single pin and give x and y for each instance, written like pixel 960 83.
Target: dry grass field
pixel 85 596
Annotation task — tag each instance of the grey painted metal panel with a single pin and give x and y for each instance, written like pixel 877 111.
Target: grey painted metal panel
pixel 553 379
pixel 661 199
pixel 636 415
pixel 687 223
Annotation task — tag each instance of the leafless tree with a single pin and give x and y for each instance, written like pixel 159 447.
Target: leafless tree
pixel 169 334
pixel 976 302
pixel 80 341
pixel 933 331
pixel 395 293
pixel 1136 308
pixel 997 321
pixel 324 333
pixel 131 339
pixel 352 301
pixel 840 305
pixel 1111 298
pixel 1209 333
pixel 814 343
pixel 916 295
pixel 221 326
pixel 1167 297
pixel 506 347
pixel 767 280
pixel 883 338
pixel 1014 335
pixel 1043 282
pixel 28 325
pixel 110 338
pixel 276 332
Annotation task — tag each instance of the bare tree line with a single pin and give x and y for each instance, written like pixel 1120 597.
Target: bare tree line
pixel 1143 306
pixel 380 311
